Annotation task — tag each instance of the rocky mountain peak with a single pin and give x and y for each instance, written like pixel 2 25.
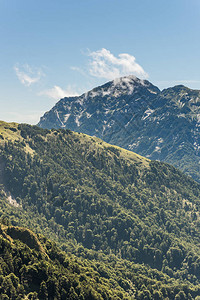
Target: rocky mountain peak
pixel 120 98
pixel 120 86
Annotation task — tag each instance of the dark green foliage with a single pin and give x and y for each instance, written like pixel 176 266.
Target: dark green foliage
pixel 48 273
pixel 107 205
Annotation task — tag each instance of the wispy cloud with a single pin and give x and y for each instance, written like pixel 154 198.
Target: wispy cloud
pixel 28 75
pixel 104 64
pixel 57 92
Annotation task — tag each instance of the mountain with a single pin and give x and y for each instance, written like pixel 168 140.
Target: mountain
pixel 94 111
pixel 135 221
pixel 136 115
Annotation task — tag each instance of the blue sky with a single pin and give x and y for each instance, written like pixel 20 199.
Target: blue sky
pixel 51 49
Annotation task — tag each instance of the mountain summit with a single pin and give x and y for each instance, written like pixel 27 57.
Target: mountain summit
pixel 94 112
pixel 136 115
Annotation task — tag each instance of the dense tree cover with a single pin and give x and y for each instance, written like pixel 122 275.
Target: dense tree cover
pixel 41 271
pixel 95 198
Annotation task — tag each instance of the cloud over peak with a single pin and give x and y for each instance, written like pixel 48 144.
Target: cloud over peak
pixel 104 64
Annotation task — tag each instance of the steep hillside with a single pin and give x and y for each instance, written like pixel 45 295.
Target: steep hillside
pixel 104 203
pixel 135 115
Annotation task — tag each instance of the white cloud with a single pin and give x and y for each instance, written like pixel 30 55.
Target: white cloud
pixel 28 75
pixel 57 92
pixel 105 65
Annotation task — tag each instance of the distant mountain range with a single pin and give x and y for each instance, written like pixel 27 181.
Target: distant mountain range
pixel 136 115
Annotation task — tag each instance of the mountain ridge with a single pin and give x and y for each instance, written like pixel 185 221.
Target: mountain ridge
pixel 161 125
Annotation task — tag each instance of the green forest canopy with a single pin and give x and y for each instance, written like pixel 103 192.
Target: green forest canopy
pixel 104 204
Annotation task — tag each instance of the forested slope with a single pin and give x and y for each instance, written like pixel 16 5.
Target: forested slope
pixel 105 204
pixel 33 266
